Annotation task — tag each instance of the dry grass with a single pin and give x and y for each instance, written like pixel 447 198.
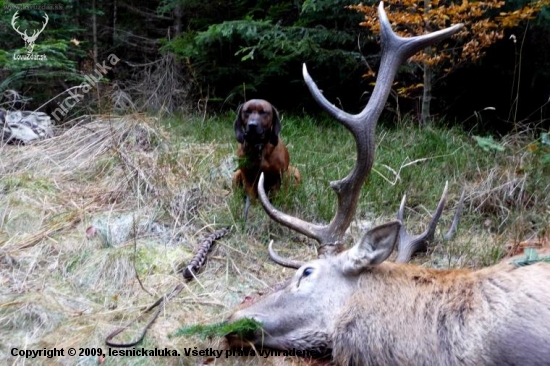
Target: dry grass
pixel 87 215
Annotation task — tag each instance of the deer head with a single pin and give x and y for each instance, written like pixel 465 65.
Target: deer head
pixel 29 40
pixel 395 51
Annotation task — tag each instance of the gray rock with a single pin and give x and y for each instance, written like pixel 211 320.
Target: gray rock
pixel 24 126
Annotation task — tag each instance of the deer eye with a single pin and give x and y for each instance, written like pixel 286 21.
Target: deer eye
pixel 307 272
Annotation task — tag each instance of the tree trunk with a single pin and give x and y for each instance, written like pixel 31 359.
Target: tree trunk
pixel 95 50
pixel 94 32
pixel 113 39
pixel 426 92
pixel 428 76
pixel 178 15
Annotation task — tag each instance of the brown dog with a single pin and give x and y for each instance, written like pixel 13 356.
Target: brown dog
pixel 260 149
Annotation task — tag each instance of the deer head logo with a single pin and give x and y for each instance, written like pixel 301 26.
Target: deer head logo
pixel 29 40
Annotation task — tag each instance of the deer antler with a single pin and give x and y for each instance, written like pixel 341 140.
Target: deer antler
pixel 395 50
pixel 43 25
pixel 409 244
pixel 13 19
pixel 36 33
pixel 285 262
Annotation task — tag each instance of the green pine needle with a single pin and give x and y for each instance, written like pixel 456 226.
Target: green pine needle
pixel 531 256
pixel 240 327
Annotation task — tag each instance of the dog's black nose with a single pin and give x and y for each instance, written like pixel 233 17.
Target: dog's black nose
pixel 254 128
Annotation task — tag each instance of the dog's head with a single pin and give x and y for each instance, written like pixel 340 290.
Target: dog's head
pixel 257 122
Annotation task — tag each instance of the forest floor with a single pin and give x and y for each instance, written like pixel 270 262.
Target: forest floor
pixel 97 222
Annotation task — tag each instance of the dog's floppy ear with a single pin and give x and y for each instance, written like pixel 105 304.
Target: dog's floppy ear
pixel 239 134
pixel 275 127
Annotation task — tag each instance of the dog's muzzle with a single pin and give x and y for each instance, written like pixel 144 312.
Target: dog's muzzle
pixel 254 129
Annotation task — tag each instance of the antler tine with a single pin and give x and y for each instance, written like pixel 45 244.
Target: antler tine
pixel 410 244
pixel 44 24
pixel 331 109
pixel 456 218
pixel 13 19
pixel 362 126
pixel 285 262
pixel 411 45
pixel 404 48
pixel 303 227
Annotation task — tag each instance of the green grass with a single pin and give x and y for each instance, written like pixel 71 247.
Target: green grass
pixel 505 190
pixel 409 159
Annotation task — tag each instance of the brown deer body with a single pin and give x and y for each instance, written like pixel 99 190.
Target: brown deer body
pixel 371 312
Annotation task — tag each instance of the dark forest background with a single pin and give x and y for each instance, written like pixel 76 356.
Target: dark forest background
pixel 192 56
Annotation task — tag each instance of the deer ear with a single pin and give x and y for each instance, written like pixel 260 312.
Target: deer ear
pixel 275 127
pixel 238 126
pixel 374 248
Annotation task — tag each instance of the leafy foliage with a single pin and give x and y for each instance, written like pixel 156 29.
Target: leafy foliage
pixel 227 51
pixel 482 27
pixel 483 24
pixel 237 58
pixel 54 42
